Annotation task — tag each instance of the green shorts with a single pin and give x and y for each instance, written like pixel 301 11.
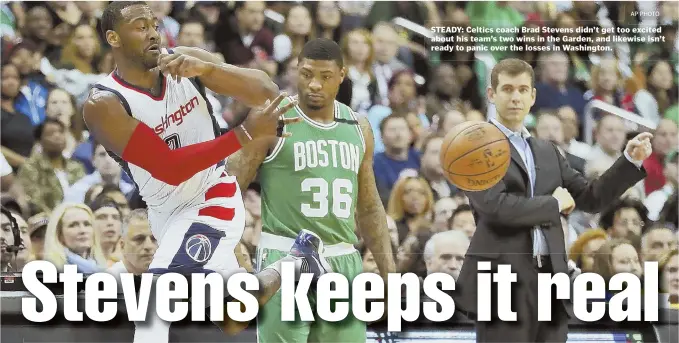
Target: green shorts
pixel 271 329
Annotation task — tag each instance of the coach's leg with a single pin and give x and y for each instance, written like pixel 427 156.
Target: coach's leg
pixel 349 330
pixel 270 327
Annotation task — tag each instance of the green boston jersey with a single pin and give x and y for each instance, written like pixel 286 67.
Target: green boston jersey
pixel 310 179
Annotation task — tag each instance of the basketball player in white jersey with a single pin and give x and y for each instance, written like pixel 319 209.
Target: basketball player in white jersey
pixel 152 115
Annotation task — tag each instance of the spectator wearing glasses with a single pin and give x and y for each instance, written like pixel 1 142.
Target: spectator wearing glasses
pixel 71 239
pixel 625 219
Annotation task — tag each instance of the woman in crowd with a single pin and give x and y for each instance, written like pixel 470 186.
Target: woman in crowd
pixel 411 203
pixel 358 52
pixel 70 239
pixel 82 50
pixel 661 90
pixel 297 32
pixel 585 247
pixel 668 266
pixel 607 86
pixel 16 129
pixel 617 256
pixel 328 18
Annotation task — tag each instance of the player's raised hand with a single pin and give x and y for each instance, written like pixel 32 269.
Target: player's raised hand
pixel 639 147
pixel 178 65
pixel 266 121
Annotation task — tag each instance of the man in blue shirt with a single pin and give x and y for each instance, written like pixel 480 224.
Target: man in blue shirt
pixel 397 156
pixel 518 221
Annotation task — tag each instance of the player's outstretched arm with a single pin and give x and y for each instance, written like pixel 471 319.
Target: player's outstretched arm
pixel 137 143
pixel 249 86
pixel 370 214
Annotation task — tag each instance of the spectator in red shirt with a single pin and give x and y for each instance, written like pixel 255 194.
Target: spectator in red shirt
pixel 664 141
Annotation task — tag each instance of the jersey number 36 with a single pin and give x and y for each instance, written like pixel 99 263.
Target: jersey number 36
pixel 341 197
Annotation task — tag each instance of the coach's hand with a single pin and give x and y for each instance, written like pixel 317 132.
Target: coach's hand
pixel 639 147
pixel 566 202
pixel 266 121
pixel 178 65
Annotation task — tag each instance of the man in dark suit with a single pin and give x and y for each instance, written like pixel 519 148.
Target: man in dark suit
pixel 518 219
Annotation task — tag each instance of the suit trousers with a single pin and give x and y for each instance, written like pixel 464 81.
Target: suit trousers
pixel 526 328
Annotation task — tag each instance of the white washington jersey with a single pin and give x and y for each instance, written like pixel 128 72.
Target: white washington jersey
pixel 204 209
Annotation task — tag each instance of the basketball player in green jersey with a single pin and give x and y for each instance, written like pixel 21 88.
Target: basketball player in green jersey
pixel 319 179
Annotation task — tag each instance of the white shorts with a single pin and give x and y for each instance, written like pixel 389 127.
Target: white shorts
pixel 197 240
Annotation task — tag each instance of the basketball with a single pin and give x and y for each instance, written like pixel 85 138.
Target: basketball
pixel 475 155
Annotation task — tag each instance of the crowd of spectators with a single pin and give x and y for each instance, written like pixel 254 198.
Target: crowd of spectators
pixel 74 204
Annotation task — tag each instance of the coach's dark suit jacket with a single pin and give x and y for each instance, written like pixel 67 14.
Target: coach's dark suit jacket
pixel 506 215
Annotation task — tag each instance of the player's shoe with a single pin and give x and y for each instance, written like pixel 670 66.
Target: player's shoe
pixel 310 247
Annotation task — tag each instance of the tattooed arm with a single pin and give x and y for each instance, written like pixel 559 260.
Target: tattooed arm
pixel 244 165
pixel 370 214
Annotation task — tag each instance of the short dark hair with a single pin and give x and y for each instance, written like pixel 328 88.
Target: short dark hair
pixel 386 119
pixel 40 128
pixel 322 49
pixel 95 145
pixel 512 67
pixel 112 14
pixel 608 216
pixel 460 209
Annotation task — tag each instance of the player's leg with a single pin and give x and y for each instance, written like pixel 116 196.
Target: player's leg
pixel 304 254
pixel 270 327
pixel 349 330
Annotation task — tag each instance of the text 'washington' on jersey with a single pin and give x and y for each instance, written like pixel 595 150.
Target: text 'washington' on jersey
pixel 176 117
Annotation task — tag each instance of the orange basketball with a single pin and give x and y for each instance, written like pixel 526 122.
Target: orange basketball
pixel 475 155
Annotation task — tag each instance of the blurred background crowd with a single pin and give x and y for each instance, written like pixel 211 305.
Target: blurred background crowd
pixel 75 205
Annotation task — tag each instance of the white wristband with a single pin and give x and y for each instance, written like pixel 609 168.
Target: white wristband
pixel 245 131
